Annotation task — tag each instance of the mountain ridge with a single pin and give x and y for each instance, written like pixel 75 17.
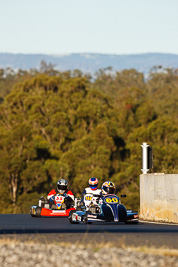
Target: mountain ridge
pixel 90 62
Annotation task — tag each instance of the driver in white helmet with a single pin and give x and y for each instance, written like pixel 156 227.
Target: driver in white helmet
pixel 62 194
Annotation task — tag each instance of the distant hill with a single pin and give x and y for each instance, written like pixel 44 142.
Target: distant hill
pixel 88 62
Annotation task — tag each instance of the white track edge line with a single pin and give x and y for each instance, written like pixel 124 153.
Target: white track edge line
pixel 175 224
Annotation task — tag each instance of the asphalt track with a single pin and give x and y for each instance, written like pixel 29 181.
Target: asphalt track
pixel 25 227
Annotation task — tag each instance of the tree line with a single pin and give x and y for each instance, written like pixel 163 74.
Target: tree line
pixel 75 126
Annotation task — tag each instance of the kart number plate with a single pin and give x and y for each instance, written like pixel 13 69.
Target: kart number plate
pixel 59 199
pixel 112 200
pixel 89 198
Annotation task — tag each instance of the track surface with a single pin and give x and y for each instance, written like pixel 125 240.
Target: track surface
pixel 23 226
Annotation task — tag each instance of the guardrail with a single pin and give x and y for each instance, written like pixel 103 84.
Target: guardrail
pixel 159 197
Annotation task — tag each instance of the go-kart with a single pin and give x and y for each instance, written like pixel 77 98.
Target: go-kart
pixel 108 209
pixel 55 208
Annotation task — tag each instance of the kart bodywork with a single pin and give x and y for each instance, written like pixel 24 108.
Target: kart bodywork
pixel 109 209
pixel 55 209
pixel 37 211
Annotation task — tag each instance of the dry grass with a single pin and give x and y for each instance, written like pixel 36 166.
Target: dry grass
pixel 163 251
pixel 155 251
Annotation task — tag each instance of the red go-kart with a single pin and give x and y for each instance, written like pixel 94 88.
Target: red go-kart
pixel 56 208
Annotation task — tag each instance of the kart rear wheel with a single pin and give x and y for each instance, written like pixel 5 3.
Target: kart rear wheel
pixel 70 217
pixel 38 212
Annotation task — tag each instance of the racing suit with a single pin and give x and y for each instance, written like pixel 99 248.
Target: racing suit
pixel 96 194
pixel 68 198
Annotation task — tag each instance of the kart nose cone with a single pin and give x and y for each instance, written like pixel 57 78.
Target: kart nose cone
pixel 114 209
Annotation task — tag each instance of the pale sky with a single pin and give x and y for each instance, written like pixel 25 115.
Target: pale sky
pixel 88 26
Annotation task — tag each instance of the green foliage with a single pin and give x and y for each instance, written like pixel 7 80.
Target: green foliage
pixel 66 125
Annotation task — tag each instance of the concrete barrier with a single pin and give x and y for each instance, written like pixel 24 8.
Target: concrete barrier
pixel 159 197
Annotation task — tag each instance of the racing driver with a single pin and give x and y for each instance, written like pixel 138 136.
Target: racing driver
pixel 92 189
pixel 108 187
pixel 61 190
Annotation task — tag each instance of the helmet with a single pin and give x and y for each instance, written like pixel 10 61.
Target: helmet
pixel 108 188
pixel 62 186
pixel 93 183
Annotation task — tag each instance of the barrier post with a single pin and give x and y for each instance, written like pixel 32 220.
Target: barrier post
pixel 144 158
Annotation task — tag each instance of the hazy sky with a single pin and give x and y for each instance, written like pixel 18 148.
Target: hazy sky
pixel 89 26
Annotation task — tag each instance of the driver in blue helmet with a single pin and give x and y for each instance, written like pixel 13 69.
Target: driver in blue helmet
pixel 92 189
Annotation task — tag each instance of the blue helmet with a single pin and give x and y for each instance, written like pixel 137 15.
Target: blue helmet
pixel 93 183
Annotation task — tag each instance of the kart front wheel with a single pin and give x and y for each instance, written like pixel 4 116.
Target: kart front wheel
pixel 70 217
pixel 85 219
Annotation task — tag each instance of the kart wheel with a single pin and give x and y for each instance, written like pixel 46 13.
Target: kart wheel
pixel 70 217
pixel 85 219
pixel 38 212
